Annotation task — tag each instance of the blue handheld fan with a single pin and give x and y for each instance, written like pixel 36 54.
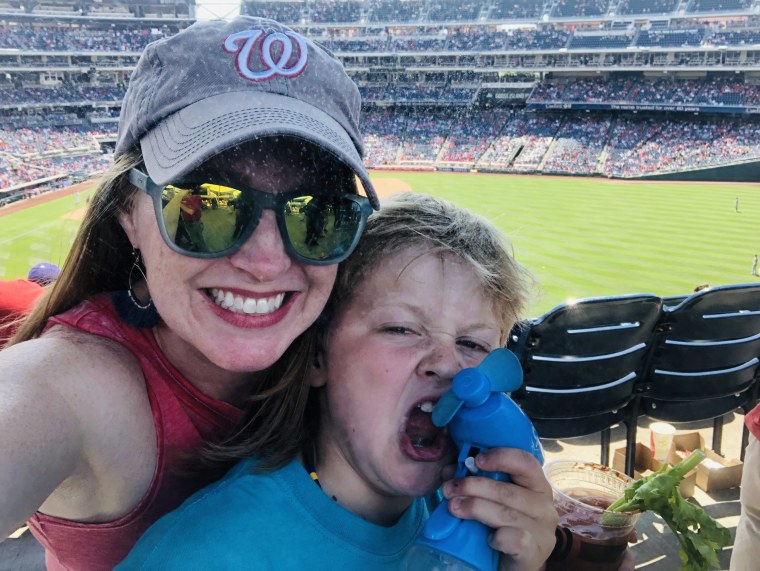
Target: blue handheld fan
pixel 480 416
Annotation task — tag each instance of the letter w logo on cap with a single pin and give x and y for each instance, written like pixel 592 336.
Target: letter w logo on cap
pixel 275 52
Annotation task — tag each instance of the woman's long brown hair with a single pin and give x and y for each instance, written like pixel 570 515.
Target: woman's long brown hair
pixel 100 257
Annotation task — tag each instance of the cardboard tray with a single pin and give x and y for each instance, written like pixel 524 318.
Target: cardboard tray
pixel 715 472
pixel 645 464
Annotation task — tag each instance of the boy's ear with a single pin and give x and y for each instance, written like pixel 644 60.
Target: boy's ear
pixel 318 371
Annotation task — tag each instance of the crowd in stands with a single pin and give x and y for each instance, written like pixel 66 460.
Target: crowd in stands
pixel 580 7
pixel 322 11
pixel 380 11
pixel 31 171
pixel 456 10
pixel 22 143
pixel 534 137
pixel 578 146
pixel 647 6
pixel 64 93
pixel 734 38
pixel 515 10
pixel 386 11
pixel 601 41
pixel 670 38
pixel 443 124
pixel 421 92
pixel 424 135
pixel 425 38
pixel 675 145
pixel 718 5
pixel 285 12
pixel 502 139
pixel 513 140
pixel 132 38
pixel 719 91
pixel 28 155
pixel 470 135
pixel 35 117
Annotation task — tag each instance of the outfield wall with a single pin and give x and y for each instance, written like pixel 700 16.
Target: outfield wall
pixel 744 172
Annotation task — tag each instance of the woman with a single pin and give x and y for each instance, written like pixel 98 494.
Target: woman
pixel 104 395
pixel 431 289
pixel 746 551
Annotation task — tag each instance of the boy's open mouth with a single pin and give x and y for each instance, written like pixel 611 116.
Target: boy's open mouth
pixel 422 440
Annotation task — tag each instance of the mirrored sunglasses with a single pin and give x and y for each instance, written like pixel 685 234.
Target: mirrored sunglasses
pixel 210 220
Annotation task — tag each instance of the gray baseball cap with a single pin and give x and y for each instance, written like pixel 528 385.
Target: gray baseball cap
pixel 217 84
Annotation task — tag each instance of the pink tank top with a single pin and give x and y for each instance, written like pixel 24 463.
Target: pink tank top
pixel 184 418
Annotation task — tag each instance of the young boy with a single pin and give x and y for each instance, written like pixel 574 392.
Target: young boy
pixel 430 290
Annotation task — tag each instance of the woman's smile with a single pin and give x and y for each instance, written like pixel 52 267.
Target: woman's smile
pixel 250 305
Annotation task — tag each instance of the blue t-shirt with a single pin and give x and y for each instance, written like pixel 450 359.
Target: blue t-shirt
pixel 281 520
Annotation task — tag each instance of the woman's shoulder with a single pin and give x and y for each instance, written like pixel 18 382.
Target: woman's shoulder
pixel 74 407
pixel 66 357
pixel 99 382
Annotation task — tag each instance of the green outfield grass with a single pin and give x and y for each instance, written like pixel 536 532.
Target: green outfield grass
pixel 580 237
pixel 42 233
pixel 586 237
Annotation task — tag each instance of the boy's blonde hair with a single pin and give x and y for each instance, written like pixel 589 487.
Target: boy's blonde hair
pixel 409 219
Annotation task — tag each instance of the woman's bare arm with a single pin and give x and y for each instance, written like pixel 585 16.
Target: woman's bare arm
pixel 76 433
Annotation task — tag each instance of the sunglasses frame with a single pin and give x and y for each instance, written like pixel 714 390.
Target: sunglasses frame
pixel 262 201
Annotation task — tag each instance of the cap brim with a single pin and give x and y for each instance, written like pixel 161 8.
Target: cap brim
pixel 194 134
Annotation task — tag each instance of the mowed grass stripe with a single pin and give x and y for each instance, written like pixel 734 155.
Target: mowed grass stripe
pixel 580 237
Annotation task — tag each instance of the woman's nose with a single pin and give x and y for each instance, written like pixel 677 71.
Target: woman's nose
pixel 263 255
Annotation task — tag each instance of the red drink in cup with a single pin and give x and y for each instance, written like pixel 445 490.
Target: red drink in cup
pixel 598 538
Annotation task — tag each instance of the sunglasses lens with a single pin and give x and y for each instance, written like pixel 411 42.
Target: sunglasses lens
pixel 322 228
pixel 210 219
pixel 204 218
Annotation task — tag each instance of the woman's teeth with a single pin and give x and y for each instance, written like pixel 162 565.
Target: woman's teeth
pixel 247 305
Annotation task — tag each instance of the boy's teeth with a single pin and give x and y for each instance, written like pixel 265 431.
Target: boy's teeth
pixel 247 305
pixel 426 406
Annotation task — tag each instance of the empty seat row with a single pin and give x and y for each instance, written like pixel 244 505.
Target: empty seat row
pixel 595 363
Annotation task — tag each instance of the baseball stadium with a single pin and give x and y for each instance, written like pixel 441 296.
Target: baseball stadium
pixel 615 143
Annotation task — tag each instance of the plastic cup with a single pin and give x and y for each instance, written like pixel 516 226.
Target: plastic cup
pixel 599 537
pixel 661 439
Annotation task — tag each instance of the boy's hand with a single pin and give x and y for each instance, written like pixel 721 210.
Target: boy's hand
pixel 520 511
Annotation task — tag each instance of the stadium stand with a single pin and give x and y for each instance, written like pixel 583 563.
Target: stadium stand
pixel 614 88
pixel 611 88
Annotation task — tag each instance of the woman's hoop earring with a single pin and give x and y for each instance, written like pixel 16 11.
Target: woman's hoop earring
pixel 131 310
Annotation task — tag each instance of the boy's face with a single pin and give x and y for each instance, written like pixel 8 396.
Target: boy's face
pixel 411 326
